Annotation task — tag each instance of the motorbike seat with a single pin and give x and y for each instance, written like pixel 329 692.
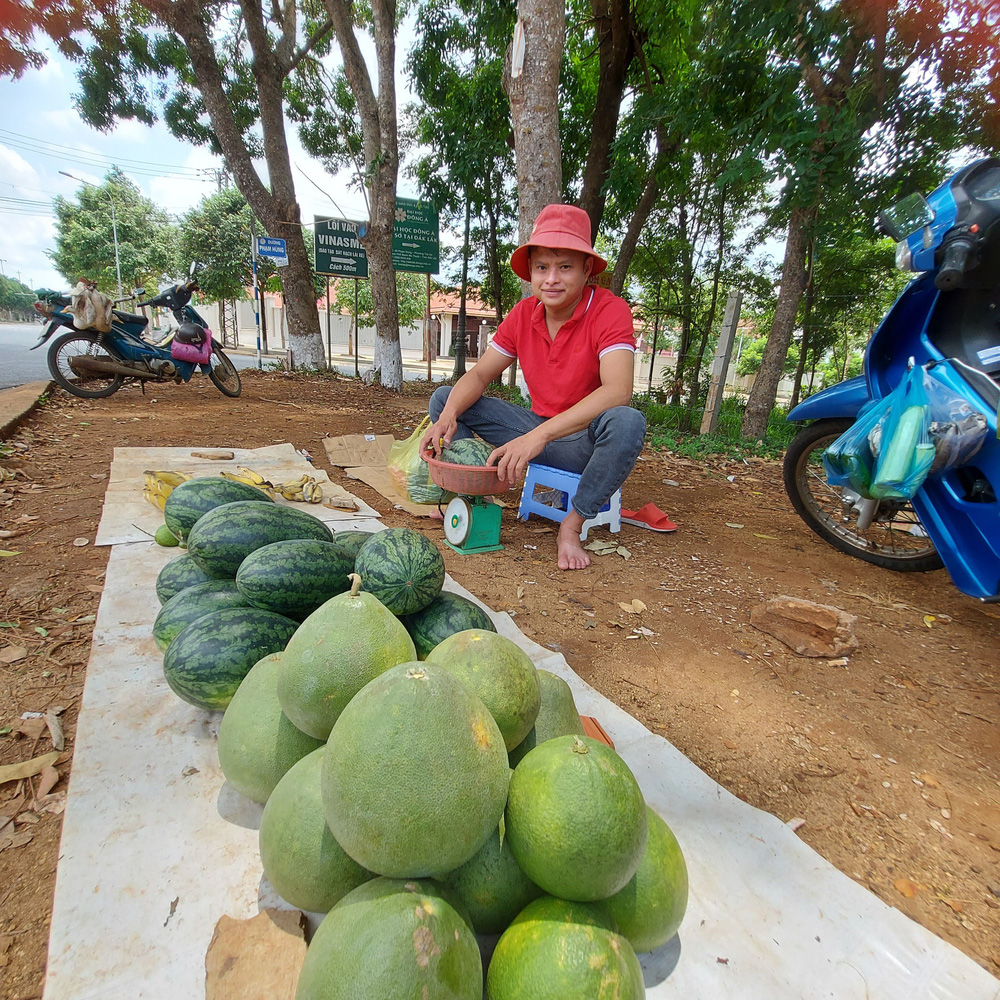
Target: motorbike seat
pixel 129 317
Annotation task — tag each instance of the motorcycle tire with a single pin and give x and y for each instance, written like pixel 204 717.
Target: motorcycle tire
pixel 224 374
pixel 895 540
pixel 86 386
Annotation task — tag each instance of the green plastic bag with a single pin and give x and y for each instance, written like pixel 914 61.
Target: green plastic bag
pixel 409 472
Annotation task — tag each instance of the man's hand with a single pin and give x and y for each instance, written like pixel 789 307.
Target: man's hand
pixel 512 458
pixel 438 436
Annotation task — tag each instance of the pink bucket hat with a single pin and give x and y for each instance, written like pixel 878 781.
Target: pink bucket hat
pixel 558 227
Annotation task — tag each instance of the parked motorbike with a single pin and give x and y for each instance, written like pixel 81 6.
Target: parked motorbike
pixel 947 320
pixel 95 364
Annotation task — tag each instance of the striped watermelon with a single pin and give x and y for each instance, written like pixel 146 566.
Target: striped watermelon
pixel 207 661
pixel 177 575
pixel 226 535
pixel 402 568
pixel 190 500
pixel 351 541
pixel 444 616
pixel 294 577
pixel 194 603
pixel 467 451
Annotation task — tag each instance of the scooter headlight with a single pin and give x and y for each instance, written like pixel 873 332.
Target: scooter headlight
pixel 904 259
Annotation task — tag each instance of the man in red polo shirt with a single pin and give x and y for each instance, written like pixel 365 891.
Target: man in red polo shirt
pixel 575 346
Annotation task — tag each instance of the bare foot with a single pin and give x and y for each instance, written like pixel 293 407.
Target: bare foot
pixel 571 551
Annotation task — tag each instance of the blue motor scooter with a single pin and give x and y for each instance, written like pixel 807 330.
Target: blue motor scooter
pixel 94 364
pixel 947 320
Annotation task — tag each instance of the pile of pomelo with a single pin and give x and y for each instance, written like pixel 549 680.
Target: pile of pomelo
pixel 428 788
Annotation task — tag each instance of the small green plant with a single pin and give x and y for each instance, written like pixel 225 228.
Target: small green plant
pixel 511 393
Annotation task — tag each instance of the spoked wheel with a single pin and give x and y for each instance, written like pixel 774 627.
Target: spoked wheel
pixel 224 374
pixel 895 540
pixel 70 376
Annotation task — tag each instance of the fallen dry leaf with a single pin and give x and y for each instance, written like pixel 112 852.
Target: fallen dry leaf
pixel 14 839
pixel 634 607
pixel 906 888
pixel 28 768
pixel 47 780
pixel 730 524
pixel 32 728
pixel 929 620
pixel 929 780
pixel 770 538
pixel 11 654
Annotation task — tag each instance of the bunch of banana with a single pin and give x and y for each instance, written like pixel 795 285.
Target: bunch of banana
pixel 304 490
pixel 159 485
pixel 250 478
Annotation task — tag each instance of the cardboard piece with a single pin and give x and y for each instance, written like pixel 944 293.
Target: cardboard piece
pixel 256 959
pixel 354 450
pixel 378 478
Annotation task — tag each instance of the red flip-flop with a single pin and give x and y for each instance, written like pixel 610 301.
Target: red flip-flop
pixel 650 517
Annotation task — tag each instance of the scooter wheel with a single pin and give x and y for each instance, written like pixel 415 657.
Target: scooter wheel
pixel 224 375
pixel 75 380
pixel 895 539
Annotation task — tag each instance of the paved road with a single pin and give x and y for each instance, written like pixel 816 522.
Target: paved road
pixel 19 364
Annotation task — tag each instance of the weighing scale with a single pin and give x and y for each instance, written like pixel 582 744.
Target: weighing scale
pixel 471 522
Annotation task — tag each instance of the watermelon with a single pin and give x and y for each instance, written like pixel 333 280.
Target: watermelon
pixel 351 541
pixel 335 652
pixel 302 861
pixel 650 908
pixel 206 662
pixel 492 886
pixel 402 568
pixel 447 614
pixel 226 535
pixel 575 818
pixel 562 950
pixel 393 940
pixel 257 743
pixel 467 451
pixel 188 501
pixel 500 672
pixel 557 716
pixel 178 574
pixel 295 576
pixel 193 603
pixel 415 773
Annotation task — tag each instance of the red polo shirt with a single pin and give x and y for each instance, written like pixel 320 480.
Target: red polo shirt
pixel 561 372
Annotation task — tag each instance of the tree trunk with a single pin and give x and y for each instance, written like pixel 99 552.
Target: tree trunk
pixel 533 91
pixel 615 52
pixel 765 386
pixel 806 320
pixel 378 127
pixel 276 205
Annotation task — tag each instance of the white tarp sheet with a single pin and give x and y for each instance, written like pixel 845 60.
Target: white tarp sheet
pixel 156 847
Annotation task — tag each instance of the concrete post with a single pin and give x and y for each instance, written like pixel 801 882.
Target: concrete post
pixel 720 366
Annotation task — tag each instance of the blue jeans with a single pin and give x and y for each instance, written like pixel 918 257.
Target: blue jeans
pixel 603 453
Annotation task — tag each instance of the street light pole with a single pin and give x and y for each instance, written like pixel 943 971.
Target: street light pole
pixel 114 226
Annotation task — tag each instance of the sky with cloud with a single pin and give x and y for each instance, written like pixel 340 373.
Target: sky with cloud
pixel 41 134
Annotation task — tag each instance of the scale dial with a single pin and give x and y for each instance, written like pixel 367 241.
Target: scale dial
pixel 457 520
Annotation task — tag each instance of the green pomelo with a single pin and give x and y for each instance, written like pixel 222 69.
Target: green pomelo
pixel 257 743
pixel 295 576
pixel 165 537
pixel 393 940
pixel 402 568
pixel 302 861
pixel 576 819
pixel 208 659
pixel 561 950
pixel 191 604
pixel 335 652
pixel 492 886
pixel 189 501
pixel 650 908
pixel 415 775
pixel 226 535
pixel 447 614
pixel 467 451
pixel 178 575
pixel 500 672
pixel 557 716
pixel 351 541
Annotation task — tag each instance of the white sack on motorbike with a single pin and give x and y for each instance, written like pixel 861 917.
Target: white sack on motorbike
pixel 91 309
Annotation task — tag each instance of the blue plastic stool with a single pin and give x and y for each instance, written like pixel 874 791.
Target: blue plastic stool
pixel 566 483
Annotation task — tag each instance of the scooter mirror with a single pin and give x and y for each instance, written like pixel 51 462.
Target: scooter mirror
pixel 906 216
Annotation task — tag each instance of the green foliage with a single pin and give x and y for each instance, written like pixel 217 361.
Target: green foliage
pixel 753 352
pixel 85 236
pixel 411 295
pixel 16 300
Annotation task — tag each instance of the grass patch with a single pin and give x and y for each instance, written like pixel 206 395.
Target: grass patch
pixel 675 428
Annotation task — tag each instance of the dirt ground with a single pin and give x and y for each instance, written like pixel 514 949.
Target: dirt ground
pixel 891 759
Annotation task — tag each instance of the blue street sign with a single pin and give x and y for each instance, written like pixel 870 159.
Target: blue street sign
pixel 274 248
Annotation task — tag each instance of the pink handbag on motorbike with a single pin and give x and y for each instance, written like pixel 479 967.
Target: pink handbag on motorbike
pixel 192 343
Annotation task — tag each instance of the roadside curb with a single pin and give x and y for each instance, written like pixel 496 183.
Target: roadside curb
pixel 18 403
